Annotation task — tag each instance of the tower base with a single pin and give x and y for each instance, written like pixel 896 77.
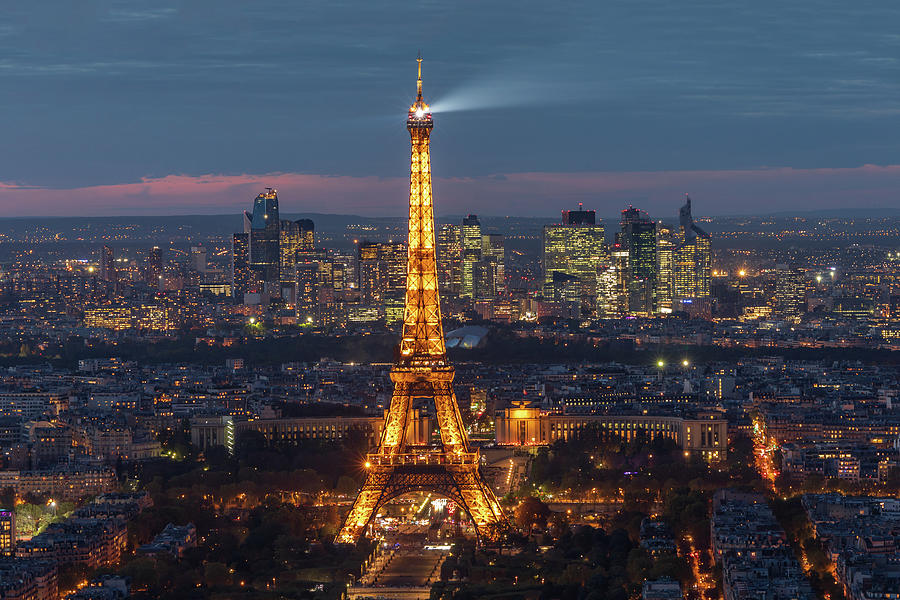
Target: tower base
pixel 454 476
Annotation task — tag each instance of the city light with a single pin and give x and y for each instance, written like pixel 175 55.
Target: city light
pixel 160 373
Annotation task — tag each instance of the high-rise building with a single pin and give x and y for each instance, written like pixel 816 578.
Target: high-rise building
pixel 493 252
pixel 307 234
pixel 449 250
pixel 665 257
pixel 368 272
pixel 307 297
pixel 321 282
pixel 288 246
pixel 240 265
pixel 579 217
pixel 7 532
pixel 608 300
pixel 108 264
pixel 295 236
pixel 567 290
pixel 392 269
pixel 198 259
pixel 470 237
pixel 790 293
pixel 692 259
pixel 638 237
pixel 484 282
pixel 381 270
pixel 264 227
pixel 154 270
pixel 348 260
pixel 577 248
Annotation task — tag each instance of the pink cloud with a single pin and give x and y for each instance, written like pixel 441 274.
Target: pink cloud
pixel 751 191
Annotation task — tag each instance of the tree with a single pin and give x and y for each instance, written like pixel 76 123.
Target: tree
pixel 30 518
pixel 532 512
pixel 142 572
pixel 216 574
pixel 8 497
pixel 346 486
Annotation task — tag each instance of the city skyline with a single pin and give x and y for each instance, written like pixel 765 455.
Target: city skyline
pixel 151 109
pixel 560 360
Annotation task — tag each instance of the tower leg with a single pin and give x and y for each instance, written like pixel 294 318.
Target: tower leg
pixel 363 510
pixel 479 502
pixel 394 435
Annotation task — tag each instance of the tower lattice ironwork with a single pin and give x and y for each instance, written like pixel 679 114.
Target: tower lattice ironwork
pixel 421 373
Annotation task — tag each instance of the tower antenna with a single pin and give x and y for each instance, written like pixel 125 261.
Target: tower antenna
pixel 419 81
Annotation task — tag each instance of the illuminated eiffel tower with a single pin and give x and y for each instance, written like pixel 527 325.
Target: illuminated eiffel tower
pixel 421 373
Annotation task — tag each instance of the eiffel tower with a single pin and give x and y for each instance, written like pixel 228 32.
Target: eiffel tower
pixel 421 373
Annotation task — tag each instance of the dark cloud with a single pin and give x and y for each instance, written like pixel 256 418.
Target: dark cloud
pixel 101 92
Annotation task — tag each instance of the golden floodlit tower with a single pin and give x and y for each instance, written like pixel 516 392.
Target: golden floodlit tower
pixel 421 373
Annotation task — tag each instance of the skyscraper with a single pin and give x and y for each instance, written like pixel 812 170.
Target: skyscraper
pixel 288 245
pixel 392 269
pixel 307 296
pixel 198 258
pixel 790 293
pixel 608 304
pixel 154 271
pixel 575 247
pixel 381 269
pixel 494 253
pixel 579 217
pixel 638 237
pixel 307 234
pixel 665 257
pixel 449 250
pixel 368 272
pixel 264 227
pixel 692 259
pixel 294 237
pixel 320 288
pixel 619 257
pixel 470 236
pixel 240 265
pixel 108 265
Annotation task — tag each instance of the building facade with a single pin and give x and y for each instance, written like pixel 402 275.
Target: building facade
pixel 706 435
pixel 638 238
pixel 576 248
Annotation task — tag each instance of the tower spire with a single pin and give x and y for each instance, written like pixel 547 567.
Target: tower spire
pixel 419 81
